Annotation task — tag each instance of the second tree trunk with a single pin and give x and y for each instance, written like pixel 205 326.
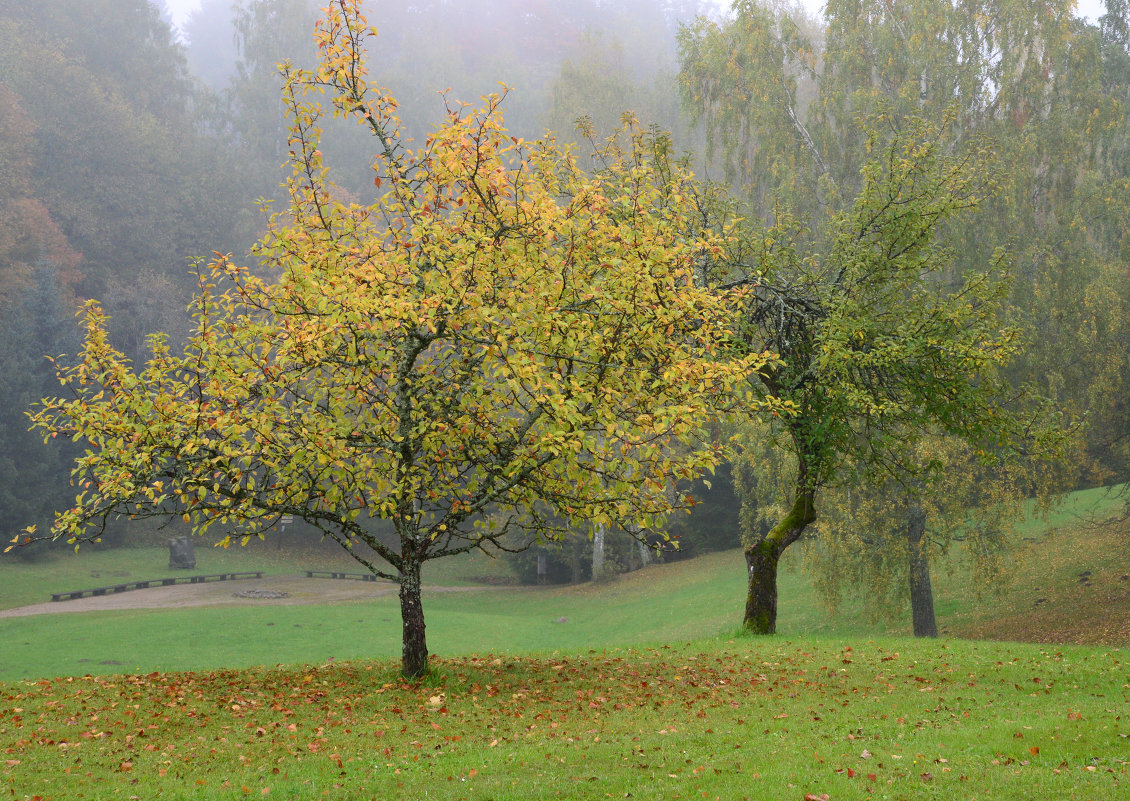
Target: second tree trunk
pixel 921 590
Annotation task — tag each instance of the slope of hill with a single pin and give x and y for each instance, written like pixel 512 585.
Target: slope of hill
pixel 1069 585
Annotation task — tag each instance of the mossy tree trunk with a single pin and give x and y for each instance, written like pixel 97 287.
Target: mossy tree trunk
pixel 763 556
pixel 921 590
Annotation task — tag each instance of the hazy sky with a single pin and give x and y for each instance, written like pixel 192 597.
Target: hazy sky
pixel 181 8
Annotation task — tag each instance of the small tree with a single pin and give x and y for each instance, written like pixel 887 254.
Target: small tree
pixel 876 351
pixel 882 534
pixel 791 113
pixel 498 342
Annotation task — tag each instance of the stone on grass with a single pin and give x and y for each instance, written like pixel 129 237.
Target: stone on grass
pixel 181 554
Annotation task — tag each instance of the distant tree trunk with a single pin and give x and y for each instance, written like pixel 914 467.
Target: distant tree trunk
pixel 921 591
pixel 542 566
pixel 645 553
pixel 598 553
pixel 414 661
pixel 577 561
pixel 762 558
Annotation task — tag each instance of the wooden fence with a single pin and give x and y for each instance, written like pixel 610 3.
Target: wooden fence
pixel 144 585
pixel 331 574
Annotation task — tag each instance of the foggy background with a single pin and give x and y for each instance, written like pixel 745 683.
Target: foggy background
pixel 180 9
pixel 129 152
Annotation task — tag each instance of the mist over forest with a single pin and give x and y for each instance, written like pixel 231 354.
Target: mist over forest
pixel 130 153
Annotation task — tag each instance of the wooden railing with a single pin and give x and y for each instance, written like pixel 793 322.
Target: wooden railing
pixel 161 582
pixel 333 574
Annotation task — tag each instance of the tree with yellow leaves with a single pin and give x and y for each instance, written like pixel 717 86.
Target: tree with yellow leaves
pixel 498 342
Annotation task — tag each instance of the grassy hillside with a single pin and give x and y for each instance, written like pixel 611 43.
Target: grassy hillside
pixel 663 604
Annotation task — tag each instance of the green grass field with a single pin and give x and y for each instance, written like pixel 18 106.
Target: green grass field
pixel 662 604
pixel 636 688
pixel 766 718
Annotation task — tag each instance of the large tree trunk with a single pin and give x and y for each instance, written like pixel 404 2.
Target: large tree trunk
pixel 921 591
pixel 761 598
pixel 761 563
pixel 414 661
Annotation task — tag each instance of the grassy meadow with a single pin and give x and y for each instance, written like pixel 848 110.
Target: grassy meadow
pixel 659 605
pixel 765 718
pixel 639 687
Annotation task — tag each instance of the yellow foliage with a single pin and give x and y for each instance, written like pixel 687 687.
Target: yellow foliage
pixel 497 330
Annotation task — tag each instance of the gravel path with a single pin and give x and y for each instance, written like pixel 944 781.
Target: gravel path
pixel 299 589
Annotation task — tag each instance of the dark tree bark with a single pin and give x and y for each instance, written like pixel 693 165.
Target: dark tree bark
pixel 762 558
pixel 921 591
pixel 414 659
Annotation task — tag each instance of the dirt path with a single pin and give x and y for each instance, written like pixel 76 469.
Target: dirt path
pixel 300 590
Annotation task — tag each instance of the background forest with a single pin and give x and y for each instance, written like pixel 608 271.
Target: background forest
pixel 129 150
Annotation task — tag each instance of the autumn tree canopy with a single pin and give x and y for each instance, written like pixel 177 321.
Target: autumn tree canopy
pixel 498 342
